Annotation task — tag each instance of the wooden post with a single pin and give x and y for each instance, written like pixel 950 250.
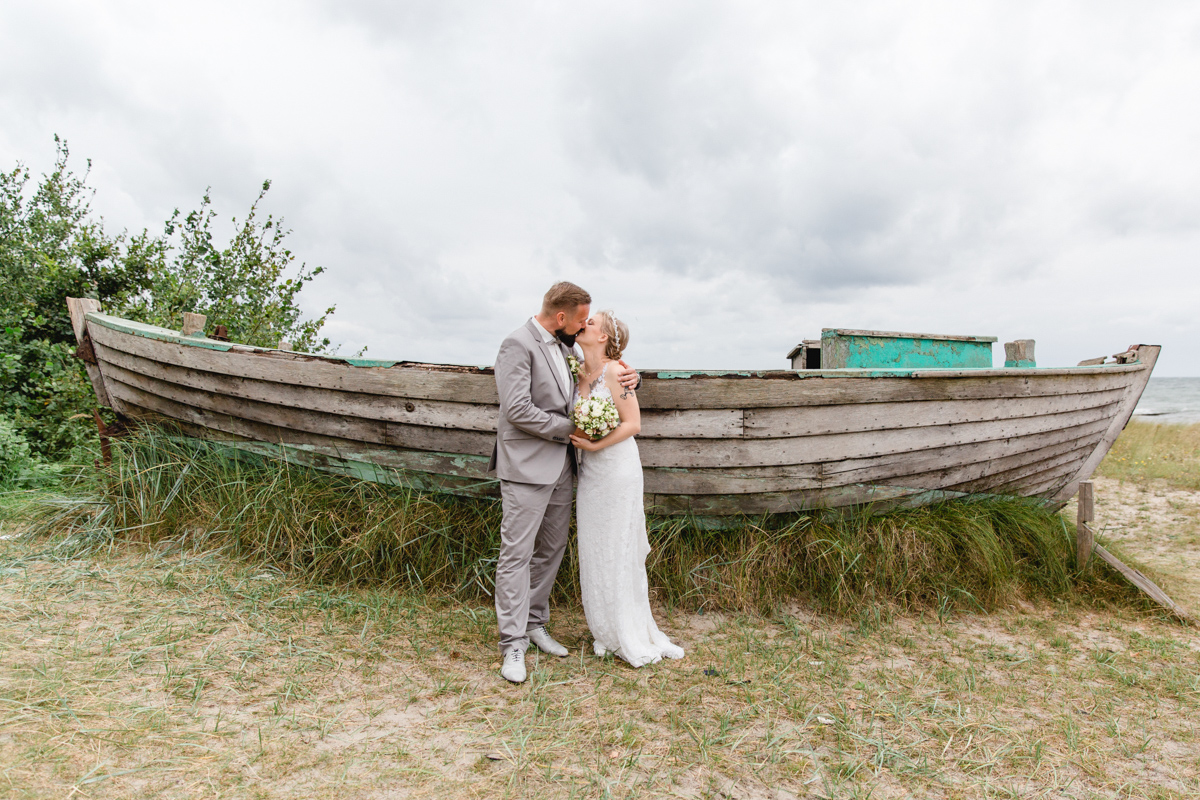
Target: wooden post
pixel 1019 354
pixel 193 324
pixel 1085 544
pixel 1085 540
pixel 284 344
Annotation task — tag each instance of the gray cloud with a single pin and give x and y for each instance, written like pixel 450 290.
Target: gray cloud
pixel 699 153
pixel 730 176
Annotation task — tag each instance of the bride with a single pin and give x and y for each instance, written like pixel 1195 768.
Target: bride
pixel 608 510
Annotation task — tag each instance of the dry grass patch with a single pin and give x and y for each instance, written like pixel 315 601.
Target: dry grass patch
pixel 1159 527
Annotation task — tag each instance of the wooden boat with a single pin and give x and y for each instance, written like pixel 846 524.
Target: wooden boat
pixel 713 443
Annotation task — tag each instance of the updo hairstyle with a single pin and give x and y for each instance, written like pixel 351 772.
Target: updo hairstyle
pixel 617 333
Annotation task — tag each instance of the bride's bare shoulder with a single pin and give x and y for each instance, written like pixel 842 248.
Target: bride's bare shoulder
pixel 613 382
pixel 612 370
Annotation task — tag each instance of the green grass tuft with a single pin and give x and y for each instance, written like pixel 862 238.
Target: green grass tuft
pixel 187 494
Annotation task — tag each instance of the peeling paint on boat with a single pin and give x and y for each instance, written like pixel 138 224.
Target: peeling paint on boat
pixel 845 349
pixel 369 362
pixel 155 332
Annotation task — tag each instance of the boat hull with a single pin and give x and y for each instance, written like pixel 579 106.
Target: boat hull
pixel 712 444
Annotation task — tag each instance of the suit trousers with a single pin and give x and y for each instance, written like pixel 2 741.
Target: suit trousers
pixel 533 538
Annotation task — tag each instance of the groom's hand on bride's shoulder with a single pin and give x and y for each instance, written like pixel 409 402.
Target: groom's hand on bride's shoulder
pixel 628 376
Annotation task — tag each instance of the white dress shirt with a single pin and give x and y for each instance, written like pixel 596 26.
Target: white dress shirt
pixel 556 354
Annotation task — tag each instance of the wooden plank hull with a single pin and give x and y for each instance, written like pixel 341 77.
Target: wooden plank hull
pixel 712 443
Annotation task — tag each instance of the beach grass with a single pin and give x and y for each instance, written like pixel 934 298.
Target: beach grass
pixel 1146 452
pixel 182 493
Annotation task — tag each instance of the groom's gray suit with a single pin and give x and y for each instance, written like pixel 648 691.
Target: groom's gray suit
pixel 534 461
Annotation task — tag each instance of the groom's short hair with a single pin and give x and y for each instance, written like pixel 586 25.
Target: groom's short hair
pixel 565 296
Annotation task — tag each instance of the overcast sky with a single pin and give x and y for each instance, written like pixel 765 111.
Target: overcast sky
pixel 730 177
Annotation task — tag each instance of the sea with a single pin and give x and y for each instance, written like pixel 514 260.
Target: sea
pixel 1173 401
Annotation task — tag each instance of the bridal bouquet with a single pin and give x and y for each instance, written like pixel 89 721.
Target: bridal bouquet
pixel 596 416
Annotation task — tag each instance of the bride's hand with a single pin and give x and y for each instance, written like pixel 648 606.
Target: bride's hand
pixel 584 443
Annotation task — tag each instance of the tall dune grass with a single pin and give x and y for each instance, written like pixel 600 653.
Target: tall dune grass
pixel 179 492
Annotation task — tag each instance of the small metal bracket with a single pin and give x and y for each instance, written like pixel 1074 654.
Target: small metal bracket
pixel 106 432
pixel 86 352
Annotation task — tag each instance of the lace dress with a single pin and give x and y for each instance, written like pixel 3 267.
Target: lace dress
pixel 612 554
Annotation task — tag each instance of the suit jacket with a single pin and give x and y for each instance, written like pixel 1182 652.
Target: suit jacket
pixel 533 433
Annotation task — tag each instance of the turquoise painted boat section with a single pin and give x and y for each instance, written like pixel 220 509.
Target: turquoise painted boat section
pixel 369 362
pixel 1020 363
pixel 841 349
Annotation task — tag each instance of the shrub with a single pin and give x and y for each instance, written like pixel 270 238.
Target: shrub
pixel 51 248
pixel 14 453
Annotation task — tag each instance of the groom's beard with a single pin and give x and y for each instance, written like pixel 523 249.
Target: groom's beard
pixel 568 340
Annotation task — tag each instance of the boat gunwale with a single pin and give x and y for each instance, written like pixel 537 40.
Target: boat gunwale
pixel 155 332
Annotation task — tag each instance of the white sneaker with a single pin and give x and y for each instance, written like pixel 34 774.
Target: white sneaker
pixel 513 669
pixel 541 637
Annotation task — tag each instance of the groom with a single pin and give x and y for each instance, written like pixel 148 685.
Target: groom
pixel 535 463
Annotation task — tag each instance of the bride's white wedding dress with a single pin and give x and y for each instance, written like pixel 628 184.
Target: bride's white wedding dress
pixel 612 553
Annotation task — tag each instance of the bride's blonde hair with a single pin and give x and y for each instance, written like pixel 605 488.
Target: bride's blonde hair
pixel 617 333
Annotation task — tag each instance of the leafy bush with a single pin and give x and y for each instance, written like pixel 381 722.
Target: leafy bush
pixel 244 286
pixel 51 248
pixel 14 453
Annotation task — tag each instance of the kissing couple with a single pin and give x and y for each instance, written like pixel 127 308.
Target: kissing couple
pixel 568 406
